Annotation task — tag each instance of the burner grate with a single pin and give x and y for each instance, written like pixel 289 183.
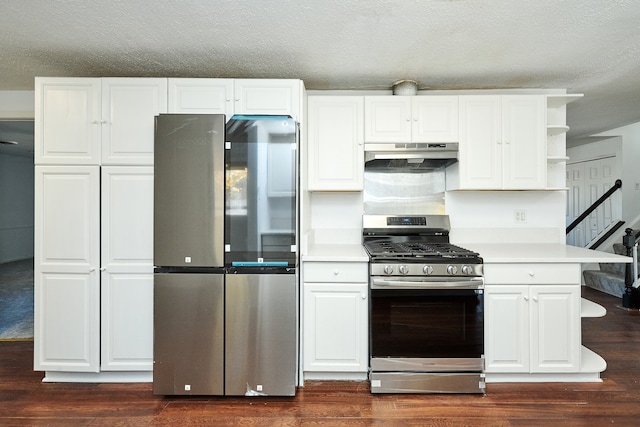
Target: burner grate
pixel 417 249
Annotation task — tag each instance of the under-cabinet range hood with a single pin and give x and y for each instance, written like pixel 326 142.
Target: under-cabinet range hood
pixel 432 155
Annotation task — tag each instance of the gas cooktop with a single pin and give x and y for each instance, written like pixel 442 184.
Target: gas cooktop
pixel 389 249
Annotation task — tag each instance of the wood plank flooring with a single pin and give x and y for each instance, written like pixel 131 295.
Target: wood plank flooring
pixel 26 401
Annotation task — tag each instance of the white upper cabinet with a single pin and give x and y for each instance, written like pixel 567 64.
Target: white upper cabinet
pixel 398 119
pixel 67 121
pixel 502 142
pixel 236 96
pixel 268 96
pixel 201 96
pixel 92 121
pixel 335 158
pixel 129 106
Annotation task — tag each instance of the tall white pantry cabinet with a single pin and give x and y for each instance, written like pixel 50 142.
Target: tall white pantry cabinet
pixel 94 223
pixel 94 212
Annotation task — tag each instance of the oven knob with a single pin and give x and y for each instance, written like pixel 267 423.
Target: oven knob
pixel 427 269
pixel 403 269
pixel 452 269
pixel 466 269
pixel 388 269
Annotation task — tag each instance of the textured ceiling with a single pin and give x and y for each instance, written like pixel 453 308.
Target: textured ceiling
pixel 585 46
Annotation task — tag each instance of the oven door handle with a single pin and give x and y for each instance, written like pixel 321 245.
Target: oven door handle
pixel 381 283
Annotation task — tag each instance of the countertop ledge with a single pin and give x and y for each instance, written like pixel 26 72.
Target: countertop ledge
pixel 541 253
pixel 336 253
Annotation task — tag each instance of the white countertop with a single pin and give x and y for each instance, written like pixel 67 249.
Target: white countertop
pixel 541 252
pixel 336 253
pixel 490 253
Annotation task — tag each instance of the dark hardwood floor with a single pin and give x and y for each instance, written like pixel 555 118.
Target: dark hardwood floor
pixel 26 401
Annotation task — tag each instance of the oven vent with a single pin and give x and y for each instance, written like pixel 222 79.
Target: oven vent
pixel 405 87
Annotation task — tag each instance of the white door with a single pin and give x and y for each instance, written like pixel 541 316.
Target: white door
pixel 575 203
pixel 387 119
pixel 335 327
pixel 507 328
pixel 555 328
pixel 524 142
pixel 67 281
pixel 127 268
pixel 129 106
pixel 587 182
pixel 335 158
pixel 480 154
pixel 268 96
pixel 201 96
pixel 67 118
pixel 434 118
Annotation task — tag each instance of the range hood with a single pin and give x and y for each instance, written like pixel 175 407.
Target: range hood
pixel 431 154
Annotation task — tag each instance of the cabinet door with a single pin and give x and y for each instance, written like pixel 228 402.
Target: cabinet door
pixel 480 150
pixel 129 106
pixel 524 142
pixel 67 121
pixel 555 328
pixel 127 268
pixel 127 322
pixel 507 328
pixel 387 119
pixel 201 96
pixel 67 284
pixel 434 118
pixel 335 327
pixel 268 96
pixel 335 157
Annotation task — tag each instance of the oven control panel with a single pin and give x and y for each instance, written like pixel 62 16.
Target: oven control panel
pixel 407 220
pixel 418 269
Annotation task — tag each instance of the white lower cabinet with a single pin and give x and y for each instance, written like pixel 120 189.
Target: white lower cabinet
pixel 335 325
pixel 532 318
pixel 532 329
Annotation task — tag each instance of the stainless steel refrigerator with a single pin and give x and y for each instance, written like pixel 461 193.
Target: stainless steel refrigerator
pixel 225 255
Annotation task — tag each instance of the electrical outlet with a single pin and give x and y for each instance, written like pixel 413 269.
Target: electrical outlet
pixel 521 216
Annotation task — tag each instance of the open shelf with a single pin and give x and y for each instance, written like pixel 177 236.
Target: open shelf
pixel 555 101
pixel 591 361
pixel 556 130
pixel 591 309
pixel 557 159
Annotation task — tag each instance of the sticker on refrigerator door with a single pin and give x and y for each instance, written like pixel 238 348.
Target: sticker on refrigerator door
pixel 227 248
pixel 187 260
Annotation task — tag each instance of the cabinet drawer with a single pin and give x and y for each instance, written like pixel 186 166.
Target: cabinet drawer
pixel 336 272
pixel 528 274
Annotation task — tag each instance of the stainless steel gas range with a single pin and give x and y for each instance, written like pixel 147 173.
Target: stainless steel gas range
pixel 426 307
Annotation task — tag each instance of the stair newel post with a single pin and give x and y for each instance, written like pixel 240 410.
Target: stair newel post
pixel 630 297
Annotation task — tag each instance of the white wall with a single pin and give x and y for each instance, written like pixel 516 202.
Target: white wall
pixel 16 185
pixel 16 208
pixel 17 104
pixel 490 216
pixel 336 217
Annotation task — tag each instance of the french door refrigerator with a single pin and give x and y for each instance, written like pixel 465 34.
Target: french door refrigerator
pixel 225 255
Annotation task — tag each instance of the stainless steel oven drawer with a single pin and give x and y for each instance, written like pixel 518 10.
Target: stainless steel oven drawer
pixel 422 382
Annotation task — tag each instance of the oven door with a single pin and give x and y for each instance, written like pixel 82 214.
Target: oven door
pixel 432 326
